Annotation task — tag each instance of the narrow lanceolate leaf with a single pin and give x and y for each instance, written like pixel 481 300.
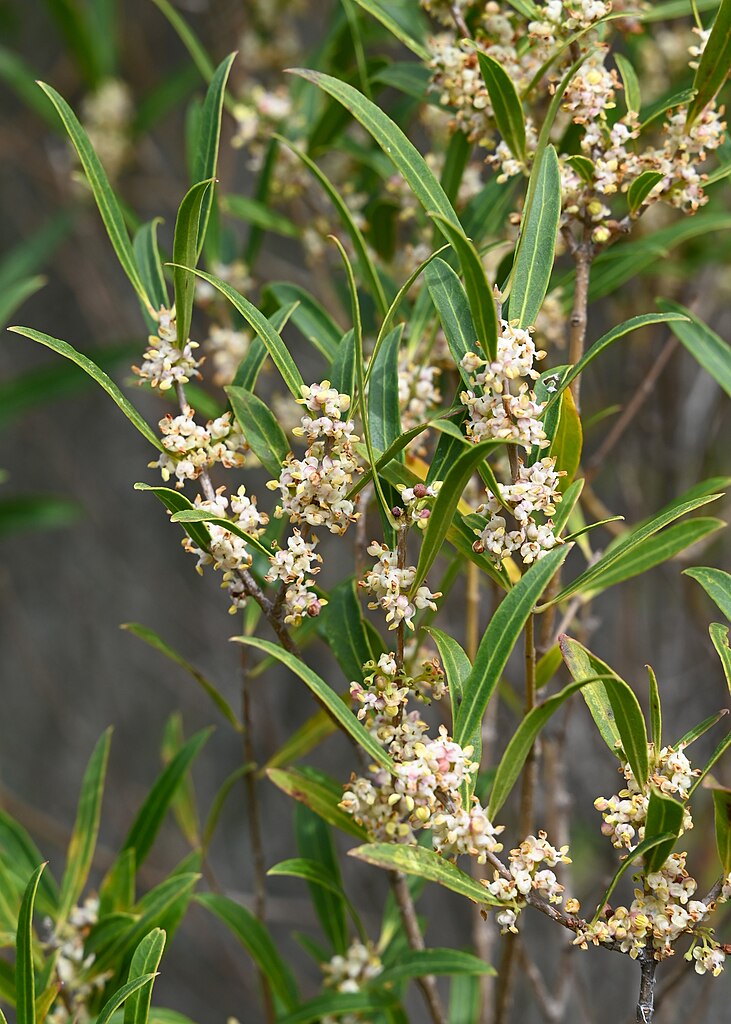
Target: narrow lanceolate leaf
pixel 644 848
pixel 121 996
pixel 722 816
pixel 717 754
pixel 175 501
pixel 405 22
pixel 521 743
pixel 710 350
pixel 405 157
pixel 446 504
pixel 664 817
pixel 106 200
pixel 423 863
pixel 209 135
pixel 655 711
pixel 614 708
pixel 150 817
pixel 630 542
pixel 506 104
pixel 309 317
pixel 83 839
pixel 457 667
pixel 479 292
pixel 604 342
pixel 537 245
pixel 319 796
pixel 64 349
pixel 451 304
pixel 717 584
pixel 631 83
pixel 257 941
pixel 498 641
pixel 342 368
pixel 185 256
pixel 260 428
pixel 275 346
pixel 317 849
pixel 713 67
pixel 384 416
pixel 326 696
pixel 719 637
pixel 416 963
pixel 640 189
pixel 341 626
pixel 149 264
pixel 337 1004
pixel 25 983
pixel 145 962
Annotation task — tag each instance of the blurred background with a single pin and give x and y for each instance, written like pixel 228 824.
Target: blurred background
pixel 95 553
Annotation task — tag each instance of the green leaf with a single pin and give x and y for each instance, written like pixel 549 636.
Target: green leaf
pixel 155 641
pixel 464 999
pixel 187 516
pixel 713 67
pixel 121 995
pixel 319 866
pixel 86 829
pixel 521 743
pixel 722 817
pixel 326 696
pixel 261 429
pixel 384 414
pixel 604 342
pixel 145 962
pixel 405 157
pixel 479 292
pixel 666 544
pixel 342 628
pixel 106 201
pixel 150 817
pixel 451 303
pixel 64 349
pixel 319 796
pixel 175 501
pixel 537 244
pixel 613 706
pixel 342 369
pixel 664 817
pixel 209 135
pixel 719 637
pixel 655 711
pixel 220 799
pixel 583 167
pixel 706 347
pixel 631 83
pixel 715 756
pixel 25 982
pixel 457 667
pixel 498 641
pixel 21 854
pixel 257 941
pixel 423 863
pixel 147 255
pixel 416 963
pixel 339 1003
pixel 630 542
pixel 185 256
pixel 641 187
pixel 506 104
pixel 716 583
pixel 275 346
pixel 254 212
pixel 117 891
pixel 309 317
pixel 15 294
pixel 183 805
pixel 567 441
pixel 446 504
pixel 641 850
pixel 36 512
pixel 700 730
pixel 403 20
pixel 200 58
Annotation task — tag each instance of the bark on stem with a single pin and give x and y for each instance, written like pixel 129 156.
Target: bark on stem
pixel 410 922
pixel 646 1000
pixel 583 254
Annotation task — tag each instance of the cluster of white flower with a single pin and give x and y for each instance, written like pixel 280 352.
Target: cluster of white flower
pixel 165 363
pixel 416 503
pixel 235 273
pixel 194 448
pixel 263 109
pixel 228 551
pixel 225 347
pixel 464 831
pixel 107 116
pixel 535 490
pixel 295 565
pixel 73 967
pixel 384 692
pixel 314 489
pixel 497 408
pixel 625 813
pixel 524 877
pixel 418 393
pixel 350 973
pixel 390 587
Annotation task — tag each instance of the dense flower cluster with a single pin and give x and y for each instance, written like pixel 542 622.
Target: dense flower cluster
pixel 350 973
pixel 418 393
pixel 389 586
pixel 314 490
pixel 523 877
pixel 535 490
pixel 191 448
pixel 295 566
pixel 74 968
pixel 498 407
pixel 165 363
pixel 107 115
pixel 225 347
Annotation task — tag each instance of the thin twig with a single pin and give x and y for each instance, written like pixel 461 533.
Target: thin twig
pixel 405 904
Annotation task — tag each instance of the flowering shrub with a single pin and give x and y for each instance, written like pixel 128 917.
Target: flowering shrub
pixel 429 463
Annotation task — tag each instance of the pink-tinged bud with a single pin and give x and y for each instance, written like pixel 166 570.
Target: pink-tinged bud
pixel 420 491
pixel 425 513
pixel 397 511
pixel 314 609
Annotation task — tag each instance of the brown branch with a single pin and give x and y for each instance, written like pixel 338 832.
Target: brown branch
pixel 405 904
pixel 583 253
pixel 646 1000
